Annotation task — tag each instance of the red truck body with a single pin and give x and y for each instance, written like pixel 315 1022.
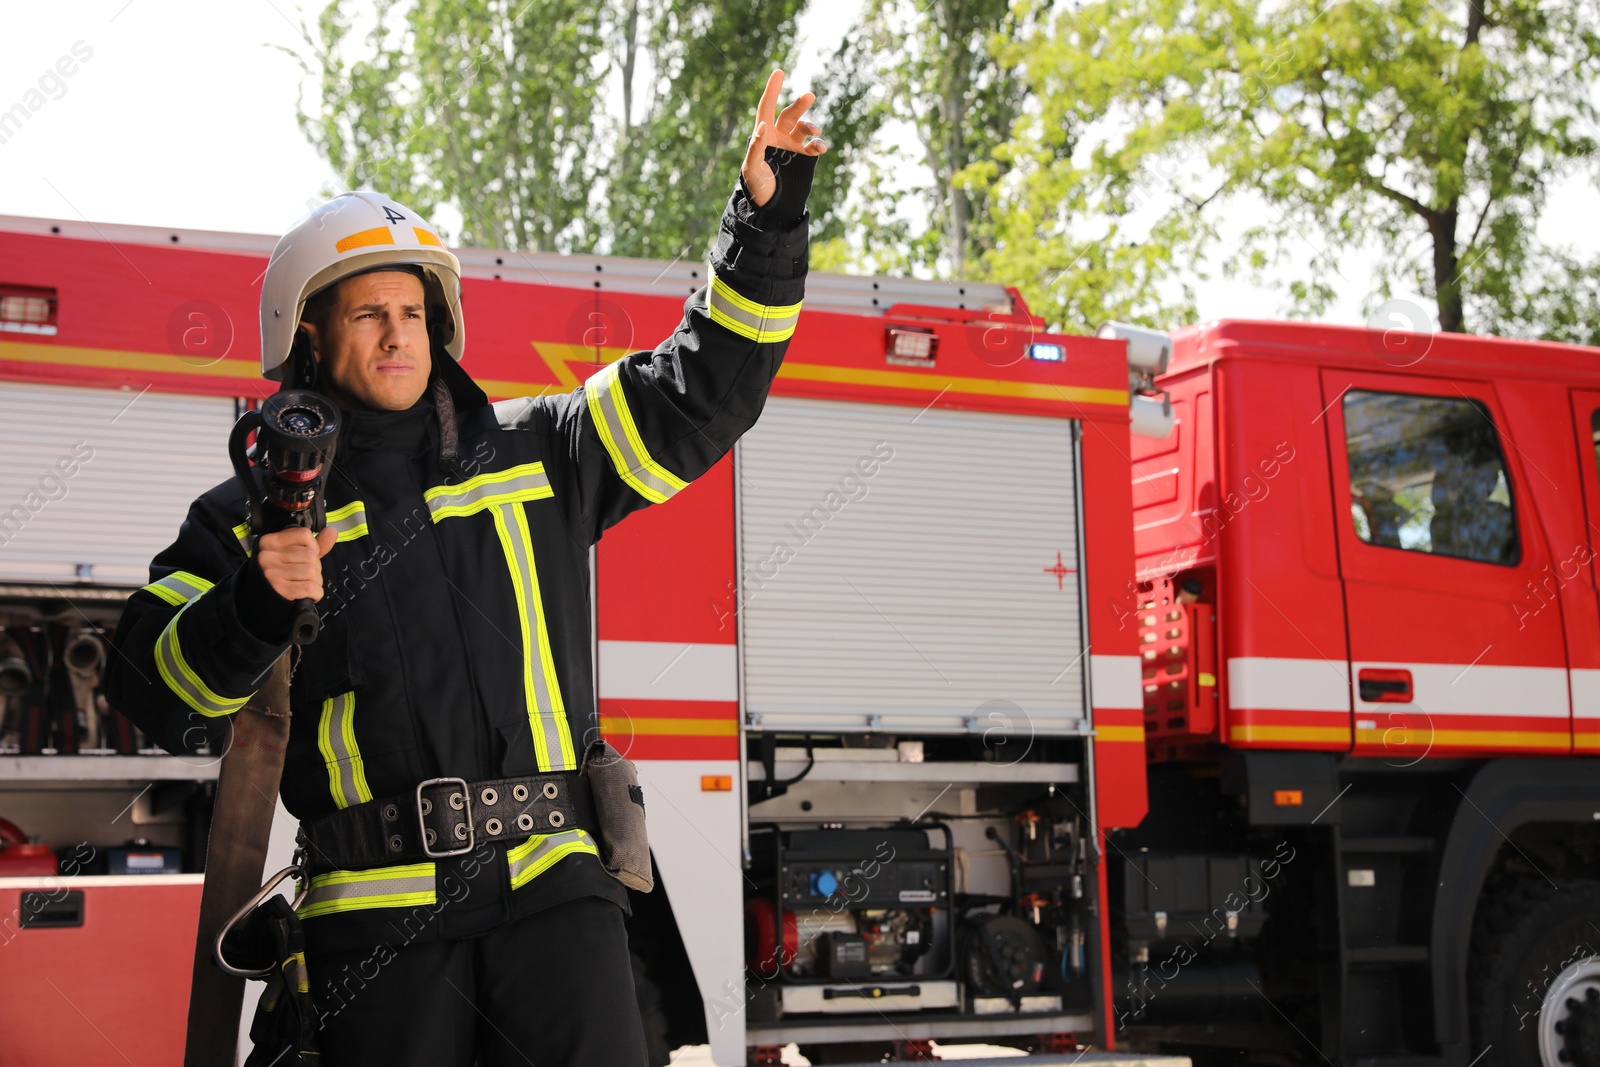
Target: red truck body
pixel 1345 608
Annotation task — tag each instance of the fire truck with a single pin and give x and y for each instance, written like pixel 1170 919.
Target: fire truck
pixel 1221 694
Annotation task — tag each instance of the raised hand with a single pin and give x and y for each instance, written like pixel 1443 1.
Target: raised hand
pixel 787 130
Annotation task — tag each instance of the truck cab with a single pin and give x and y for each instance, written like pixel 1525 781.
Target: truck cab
pixel 1367 610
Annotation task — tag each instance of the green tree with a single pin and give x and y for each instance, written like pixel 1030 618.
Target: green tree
pixel 1429 130
pixel 851 111
pixel 497 108
pixel 679 163
pixel 924 68
pixel 487 105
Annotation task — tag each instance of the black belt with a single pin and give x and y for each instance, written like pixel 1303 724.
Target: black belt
pixel 445 817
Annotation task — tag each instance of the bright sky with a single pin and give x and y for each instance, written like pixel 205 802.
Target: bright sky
pixel 183 114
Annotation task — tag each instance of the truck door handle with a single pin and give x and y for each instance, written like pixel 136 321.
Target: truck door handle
pixel 48 910
pixel 1379 686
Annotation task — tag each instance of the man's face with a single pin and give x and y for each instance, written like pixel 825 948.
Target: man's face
pixel 373 348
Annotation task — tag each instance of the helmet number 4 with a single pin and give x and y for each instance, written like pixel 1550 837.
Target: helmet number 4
pixel 392 215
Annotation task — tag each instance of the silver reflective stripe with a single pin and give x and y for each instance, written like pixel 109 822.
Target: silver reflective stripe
pixel 513 485
pixel 547 717
pixel 514 413
pixel 247 540
pixel 745 317
pixel 540 851
pixel 619 433
pixel 382 887
pixel 182 679
pixel 350 520
pixel 336 739
pixel 178 588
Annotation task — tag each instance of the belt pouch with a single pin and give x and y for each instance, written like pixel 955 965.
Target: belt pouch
pixel 619 810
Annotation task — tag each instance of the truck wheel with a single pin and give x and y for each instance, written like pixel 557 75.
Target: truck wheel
pixel 651 1012
pixel 1536 976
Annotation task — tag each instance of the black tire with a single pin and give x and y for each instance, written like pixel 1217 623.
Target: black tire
pixel 1522 941
pixel 652 1014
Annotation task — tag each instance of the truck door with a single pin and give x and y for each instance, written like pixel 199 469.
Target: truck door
pixel 1438 545
pixel 1574 565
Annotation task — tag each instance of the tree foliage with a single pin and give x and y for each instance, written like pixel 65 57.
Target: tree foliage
pixel 1429 130
pixel 487 105
pixel 1084 150
pixel 679 161
pixel 923 69
pixel 498 108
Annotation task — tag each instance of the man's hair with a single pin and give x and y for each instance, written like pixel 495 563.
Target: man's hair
pixel 319 306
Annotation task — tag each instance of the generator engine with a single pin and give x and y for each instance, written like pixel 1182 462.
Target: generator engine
pixel 859 912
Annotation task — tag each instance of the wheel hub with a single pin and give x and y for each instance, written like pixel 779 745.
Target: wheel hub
pixel 1569 1018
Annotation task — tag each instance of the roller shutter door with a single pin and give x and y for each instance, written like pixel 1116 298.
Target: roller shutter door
pixel 136 463
pixel 924 595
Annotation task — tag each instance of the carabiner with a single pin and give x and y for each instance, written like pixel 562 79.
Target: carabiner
pixel 250 905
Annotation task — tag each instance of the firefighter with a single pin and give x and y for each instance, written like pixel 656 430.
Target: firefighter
pixel 452 584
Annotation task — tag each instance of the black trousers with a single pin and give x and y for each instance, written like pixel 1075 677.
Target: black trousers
pixel 552 990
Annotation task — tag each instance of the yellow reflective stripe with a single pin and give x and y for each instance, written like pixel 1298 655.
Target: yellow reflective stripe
pixel 745 317
pixel 358 768
pixel 547 659
pixel 176 599
pixel 336 739
pixel 538 853
pixel 407 885
pixel 502 493
pixel 1306 734
pixel 1396 736
pixel 619 725
pixel 516 496
pixel 182 679
pixel 350 520
pixel 294 969
pixel 519 589
pixel 527 481
pixel 242 532
pixel 178 588
pixel 618 432
pixel 552 741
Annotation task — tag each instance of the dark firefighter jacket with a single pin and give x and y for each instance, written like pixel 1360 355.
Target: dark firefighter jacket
pixel 456 617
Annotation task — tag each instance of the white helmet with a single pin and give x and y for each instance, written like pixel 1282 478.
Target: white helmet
pixel 351 233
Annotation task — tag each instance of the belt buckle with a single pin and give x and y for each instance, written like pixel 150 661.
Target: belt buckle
pixel 466 808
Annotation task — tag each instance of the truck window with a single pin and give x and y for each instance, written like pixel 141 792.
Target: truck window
pixel 1427 475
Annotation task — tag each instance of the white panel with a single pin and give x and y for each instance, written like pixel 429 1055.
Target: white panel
pixel 815 998
pixel 1585 693
pixel 1283 684
pixel 1117 682
pixel 97 881
pixel 694 837
pixel 1477 689
pixel 668 670
pixel 280 853
pixel 924 595
pixel 138 461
